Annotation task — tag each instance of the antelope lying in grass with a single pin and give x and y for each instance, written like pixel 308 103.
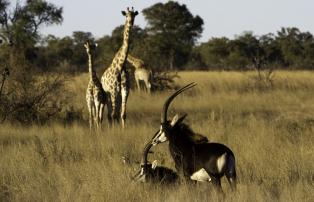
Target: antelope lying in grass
pixel 198 160
pixel 153 173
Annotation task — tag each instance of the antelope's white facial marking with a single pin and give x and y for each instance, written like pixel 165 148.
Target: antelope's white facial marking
pixel 154 164
pixel 221 162
pixel 160 137
pixel 141 178
pixel 201 176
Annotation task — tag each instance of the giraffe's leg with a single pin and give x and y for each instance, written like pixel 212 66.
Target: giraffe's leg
pixel 90 119
pixel 101 113
pixel 90 111
pixel 109 110
pixel 148 86
pixel 138 84
pixel 124 98
pixel 94 115
pixel 97 110
pixel 114 108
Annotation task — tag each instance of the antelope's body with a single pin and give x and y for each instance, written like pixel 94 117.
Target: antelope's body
pixel 201 161
pixel 195 158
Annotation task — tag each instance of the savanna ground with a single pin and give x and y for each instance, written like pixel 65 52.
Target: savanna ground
pixel 270 130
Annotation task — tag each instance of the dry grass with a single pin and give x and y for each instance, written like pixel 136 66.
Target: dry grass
pixel 269 130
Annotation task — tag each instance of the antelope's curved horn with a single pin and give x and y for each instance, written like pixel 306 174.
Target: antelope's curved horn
pixel 145 153
pixel 169 100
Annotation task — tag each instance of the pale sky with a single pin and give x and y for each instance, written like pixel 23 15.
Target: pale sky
pixel 221 17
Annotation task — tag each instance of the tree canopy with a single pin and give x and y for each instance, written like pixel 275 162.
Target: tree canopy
pixel 20 24
pixel 172 31
pixel 167 42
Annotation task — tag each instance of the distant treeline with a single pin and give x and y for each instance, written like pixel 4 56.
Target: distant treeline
pixel 32 85
pixel 168 42
pixel 289 48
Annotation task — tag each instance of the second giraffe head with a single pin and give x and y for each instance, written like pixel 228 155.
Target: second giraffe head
pixel 130 15
pixel 90 46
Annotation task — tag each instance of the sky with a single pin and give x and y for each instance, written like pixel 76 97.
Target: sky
pixel 221 17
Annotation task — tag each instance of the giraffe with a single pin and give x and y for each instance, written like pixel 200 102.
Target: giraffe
pixel 95 95
pixel 140 73
pixel 115 79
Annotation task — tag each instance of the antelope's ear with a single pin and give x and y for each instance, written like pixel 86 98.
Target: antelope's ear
pixel 123 13
pixel 176 119
pixel 154 164
pixel 135 13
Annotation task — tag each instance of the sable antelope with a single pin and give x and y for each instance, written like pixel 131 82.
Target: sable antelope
pixel 196 160
pixel 153 173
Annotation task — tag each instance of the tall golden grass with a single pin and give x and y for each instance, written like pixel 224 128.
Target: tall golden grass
pixel 270 130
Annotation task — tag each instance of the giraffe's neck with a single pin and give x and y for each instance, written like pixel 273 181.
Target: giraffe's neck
pixel 137 63
pixel 121 55
pixel 92 73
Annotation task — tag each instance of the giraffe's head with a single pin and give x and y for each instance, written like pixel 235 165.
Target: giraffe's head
pixel 90 46
pixel 130 15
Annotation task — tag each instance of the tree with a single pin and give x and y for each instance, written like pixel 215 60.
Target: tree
pixel 297 47
pixel 30 96
pixel 56 54
pixel 173 36
pixel 25 20
pixel 21 24
pixel 79 58
pixel 260 52
pixel 215 52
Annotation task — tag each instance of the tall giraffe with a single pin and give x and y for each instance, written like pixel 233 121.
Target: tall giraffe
pixel 95 95
pixel 115 79
pixel 140 73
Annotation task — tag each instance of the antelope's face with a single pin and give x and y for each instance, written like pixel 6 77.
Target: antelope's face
pixel 146 172
pixel 167 129
pixel 160 136
pixel 130 15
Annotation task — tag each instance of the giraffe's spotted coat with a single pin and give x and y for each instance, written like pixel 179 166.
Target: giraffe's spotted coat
pixel 140 73
pixel 95 95
pixel 115 79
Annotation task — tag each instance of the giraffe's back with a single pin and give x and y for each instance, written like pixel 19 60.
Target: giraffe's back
pixel 142 74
